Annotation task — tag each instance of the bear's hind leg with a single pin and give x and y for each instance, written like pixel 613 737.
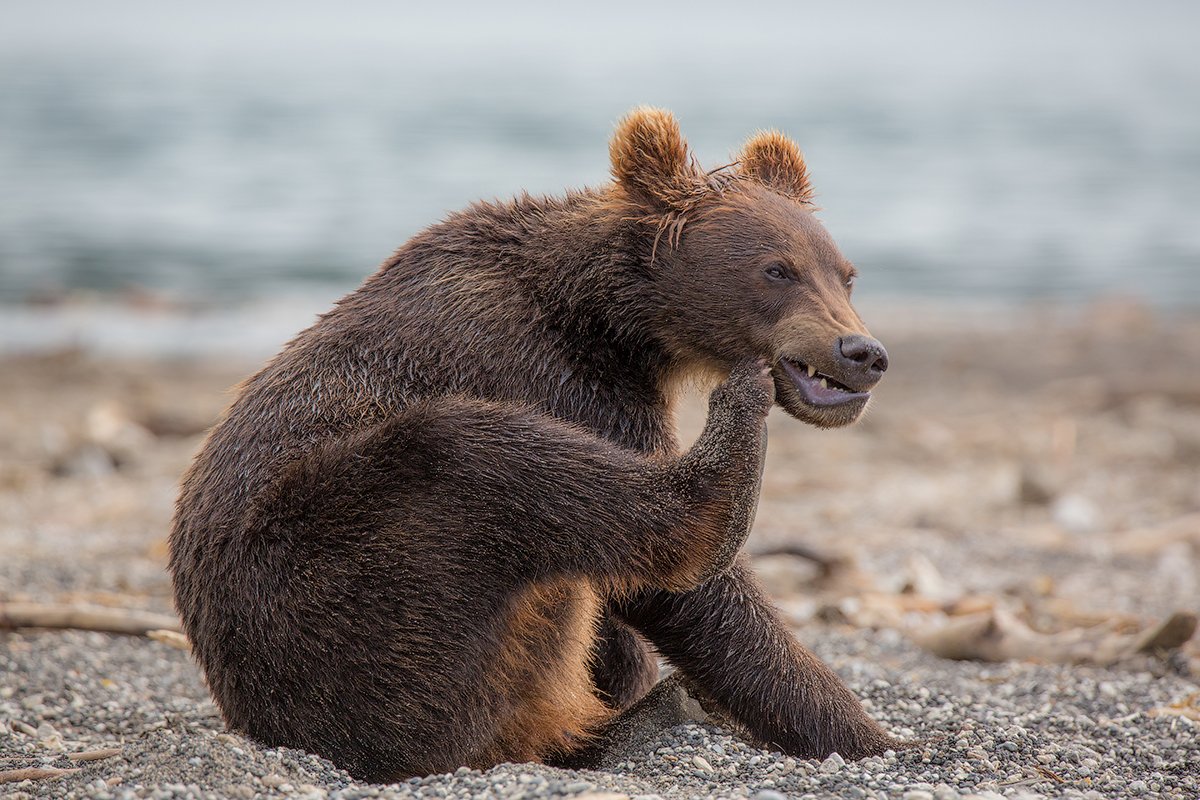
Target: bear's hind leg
pixel 622 664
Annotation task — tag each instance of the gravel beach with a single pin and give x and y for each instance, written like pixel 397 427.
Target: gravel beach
pixel 1041 467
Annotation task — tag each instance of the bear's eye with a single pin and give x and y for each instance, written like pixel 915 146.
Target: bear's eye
pixel 777 272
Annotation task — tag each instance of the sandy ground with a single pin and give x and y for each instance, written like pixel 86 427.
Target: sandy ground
pixel 1043 464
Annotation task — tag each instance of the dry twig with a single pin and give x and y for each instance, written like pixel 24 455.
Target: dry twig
pixel 95 755
pixel 33 774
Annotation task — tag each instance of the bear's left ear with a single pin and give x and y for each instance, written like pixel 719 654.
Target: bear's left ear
pixel 650 158
pixel 775 161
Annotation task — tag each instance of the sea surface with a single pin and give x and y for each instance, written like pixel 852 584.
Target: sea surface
pixel 226 153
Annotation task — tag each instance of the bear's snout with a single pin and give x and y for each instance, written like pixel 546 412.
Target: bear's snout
pixel 863 359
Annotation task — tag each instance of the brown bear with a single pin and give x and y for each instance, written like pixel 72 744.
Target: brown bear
pixel 450 524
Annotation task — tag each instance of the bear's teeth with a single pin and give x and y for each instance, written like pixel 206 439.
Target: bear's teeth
pixel 824 383
pixel 811 370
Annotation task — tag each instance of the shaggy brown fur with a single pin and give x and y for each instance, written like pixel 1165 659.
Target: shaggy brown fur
pixel 442 525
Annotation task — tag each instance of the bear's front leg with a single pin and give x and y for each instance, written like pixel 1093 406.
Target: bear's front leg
pixel 729 640
pixel 733 445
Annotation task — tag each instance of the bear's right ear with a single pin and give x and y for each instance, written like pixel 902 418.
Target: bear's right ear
pixel 650 158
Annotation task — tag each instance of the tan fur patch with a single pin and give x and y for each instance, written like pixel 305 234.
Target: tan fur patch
pixel 543 671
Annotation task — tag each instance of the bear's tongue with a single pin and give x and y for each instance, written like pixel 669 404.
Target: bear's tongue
pixel 815 389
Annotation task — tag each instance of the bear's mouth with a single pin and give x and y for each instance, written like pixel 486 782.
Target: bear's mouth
pixel 814 397
pixel 817 389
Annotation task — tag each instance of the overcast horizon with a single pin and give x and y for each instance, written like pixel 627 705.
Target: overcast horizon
pixel 996 151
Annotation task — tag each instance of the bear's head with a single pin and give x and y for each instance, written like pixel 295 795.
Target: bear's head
pixel 740 267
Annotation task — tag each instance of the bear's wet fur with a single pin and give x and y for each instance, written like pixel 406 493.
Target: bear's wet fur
pixel 447 523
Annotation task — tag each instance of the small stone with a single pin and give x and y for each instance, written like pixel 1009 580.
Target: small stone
pixel 832 764
pixel 944 792
pixel 1037 487
pixel 274 780
pixel 917 794
pixel 702 764
pixel 767 794
pixel 50 738
pixel 22 727
pixel 1076 514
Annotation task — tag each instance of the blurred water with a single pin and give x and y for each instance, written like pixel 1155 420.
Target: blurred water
pixel 1007 151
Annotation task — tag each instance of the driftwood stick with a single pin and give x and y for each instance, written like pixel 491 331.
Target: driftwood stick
pixel 998 635
pixel 825 562
pixel 95 755
pixel 1171 634
pixel 33 774
pixel 83 617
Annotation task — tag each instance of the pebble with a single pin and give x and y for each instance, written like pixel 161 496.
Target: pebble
pixel 944 792
pixel 175 746
pixel 21 727
pixel 832 764
pixel 578 786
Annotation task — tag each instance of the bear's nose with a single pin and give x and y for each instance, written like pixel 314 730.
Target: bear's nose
pixel 863 355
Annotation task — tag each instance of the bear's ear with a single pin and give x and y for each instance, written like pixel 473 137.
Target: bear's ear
pixel 775 161
pixel 650 158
